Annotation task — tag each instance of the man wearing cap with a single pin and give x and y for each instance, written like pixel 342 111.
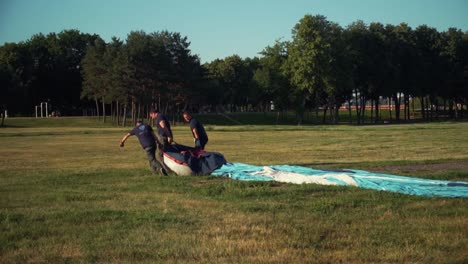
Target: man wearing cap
pixel 147 138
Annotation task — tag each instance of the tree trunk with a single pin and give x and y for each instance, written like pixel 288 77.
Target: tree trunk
pixel 138 112
pixel 124 117
pixel 324 118
pixel 117 114
pixel 429 107
pixel 390 108
pixel 166 108
pixel 423 108
pixel 377 110
pixel 112 111
pixel 97 107
pixel 133 111
pixel 103 110
pixel 337 114
pixel 407 106
pixel 405 109
pixel 331 106
pixel 460 112
pixel 396 99
pixel 455 108
pixel 316 119
pixel 300 111
pixel 363 110
pixel 350 112
pixel 358 108
pixel 3 117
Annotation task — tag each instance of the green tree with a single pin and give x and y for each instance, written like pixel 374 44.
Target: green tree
pixel 236 77
pixel 271 78
pixel 379 67
pixel 231 77
pixel 429 76
pixel 184 72
pixel 95 74
pixel 67 49
pixel 405 54
pixel 338 82
pixel 308 63
pixel 17 75
pixel 453 58
pixel 213 94
pixel 357 37
pixel 120 79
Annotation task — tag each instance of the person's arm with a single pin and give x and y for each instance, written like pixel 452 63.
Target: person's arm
pixel 195 134
pixel 122 142
pixel 162 124
pixel 196 138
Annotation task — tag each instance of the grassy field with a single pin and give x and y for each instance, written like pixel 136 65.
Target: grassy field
pixel 69 194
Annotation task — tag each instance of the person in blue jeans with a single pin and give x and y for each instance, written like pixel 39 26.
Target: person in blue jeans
pixel 148 140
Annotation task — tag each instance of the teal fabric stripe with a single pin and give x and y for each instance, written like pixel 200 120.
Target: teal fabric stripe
pixel 364 179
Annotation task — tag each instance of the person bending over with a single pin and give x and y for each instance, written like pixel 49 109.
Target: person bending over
pixel 147 138
pixel 198 131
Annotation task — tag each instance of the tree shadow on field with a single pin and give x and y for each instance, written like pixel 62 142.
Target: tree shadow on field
pixel 12 126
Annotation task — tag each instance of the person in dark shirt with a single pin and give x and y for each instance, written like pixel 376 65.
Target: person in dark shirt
pixel 147 138
pixel 164 135
pixel 198 131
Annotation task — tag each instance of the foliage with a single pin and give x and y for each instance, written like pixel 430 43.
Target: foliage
pixel 323 68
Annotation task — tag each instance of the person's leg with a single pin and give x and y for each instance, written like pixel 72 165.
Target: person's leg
pixel 153 163
pixel 160 159
pixel 203 144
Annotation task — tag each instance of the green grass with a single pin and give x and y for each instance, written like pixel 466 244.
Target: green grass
pixel 68 194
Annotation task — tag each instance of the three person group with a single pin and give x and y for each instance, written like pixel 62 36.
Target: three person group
pixel 154 143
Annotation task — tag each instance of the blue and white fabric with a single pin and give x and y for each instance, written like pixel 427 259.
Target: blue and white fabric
pixel 358 178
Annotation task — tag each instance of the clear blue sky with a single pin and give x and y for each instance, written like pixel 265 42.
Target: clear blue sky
pixel 216 28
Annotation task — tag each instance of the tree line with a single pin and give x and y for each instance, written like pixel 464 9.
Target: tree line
pixel 324 67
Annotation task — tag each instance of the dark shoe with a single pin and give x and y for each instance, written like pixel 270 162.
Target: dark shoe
pixel 163 171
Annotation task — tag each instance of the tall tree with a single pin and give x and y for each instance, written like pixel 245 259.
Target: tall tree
pixel 17 70
pixel 338 83
pixel 309 58
pixel 405 56
pixel 120 79
pixel 184 72
pixel 429 76
pixel 215 91
pixel 358 38
pixel 379 67
pixel 453 57
pixel 232 77
pixel 271 78
pixel 95 74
